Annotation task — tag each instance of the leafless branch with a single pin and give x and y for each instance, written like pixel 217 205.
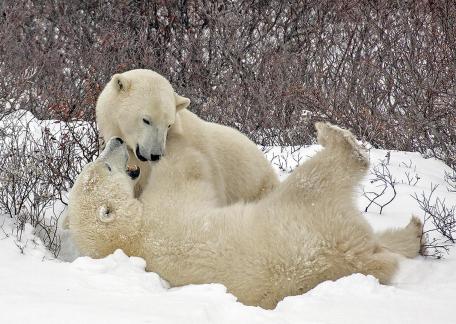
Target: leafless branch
pixel 386 184
pixel 442 220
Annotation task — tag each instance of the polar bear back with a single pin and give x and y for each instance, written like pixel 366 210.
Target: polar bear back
pixel 239 167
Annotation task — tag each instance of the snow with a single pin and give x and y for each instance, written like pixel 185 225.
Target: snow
pixel 37 288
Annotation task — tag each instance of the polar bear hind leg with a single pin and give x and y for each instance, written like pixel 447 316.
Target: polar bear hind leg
pixel 405 241
pixel 332 172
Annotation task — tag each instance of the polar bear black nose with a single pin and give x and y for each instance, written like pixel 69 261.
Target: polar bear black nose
pixel 154 157
pixel 119 140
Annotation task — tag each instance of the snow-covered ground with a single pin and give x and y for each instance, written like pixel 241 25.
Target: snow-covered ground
pixel 36 288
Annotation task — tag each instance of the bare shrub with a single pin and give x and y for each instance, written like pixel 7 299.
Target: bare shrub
pixel 269 68
pixel 450 179
pixel 385 185
pixel 286 160
pixel 411 174
pixel 442 221
pixel 40 161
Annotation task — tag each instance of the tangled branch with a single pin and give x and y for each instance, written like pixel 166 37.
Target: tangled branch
pixel 386 184
pixel 443 223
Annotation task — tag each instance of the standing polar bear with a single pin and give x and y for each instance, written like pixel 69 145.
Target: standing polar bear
pixel 306 231
pixel 141 107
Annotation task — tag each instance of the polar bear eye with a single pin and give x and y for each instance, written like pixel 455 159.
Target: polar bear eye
pixel 146 121
pixel 169 126
pixel 108 166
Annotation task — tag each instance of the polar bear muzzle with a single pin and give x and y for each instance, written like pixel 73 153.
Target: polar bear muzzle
pixel 133 171
pixel 153 157
pixel 115 156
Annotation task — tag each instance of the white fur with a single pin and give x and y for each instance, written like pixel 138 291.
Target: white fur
pixel 306 231
pixel 238 170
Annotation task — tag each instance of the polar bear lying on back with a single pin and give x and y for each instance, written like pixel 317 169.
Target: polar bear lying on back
pixel 306 231
pixel 140 106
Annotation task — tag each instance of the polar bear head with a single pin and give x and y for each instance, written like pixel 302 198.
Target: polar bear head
pixel 139 106
pixel 102 212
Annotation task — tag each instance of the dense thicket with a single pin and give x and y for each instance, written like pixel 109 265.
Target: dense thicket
pixel 386 69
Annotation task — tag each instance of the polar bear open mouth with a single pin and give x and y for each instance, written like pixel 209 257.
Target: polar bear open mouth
pixel 133 171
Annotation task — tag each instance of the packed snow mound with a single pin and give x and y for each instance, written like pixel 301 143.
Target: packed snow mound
pixel 103 273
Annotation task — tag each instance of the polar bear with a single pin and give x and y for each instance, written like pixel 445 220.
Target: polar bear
pixel 141 107
pixel 305 231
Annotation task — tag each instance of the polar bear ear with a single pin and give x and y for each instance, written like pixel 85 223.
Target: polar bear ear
pixel 105 214
pixel 120 82
pixel 181 102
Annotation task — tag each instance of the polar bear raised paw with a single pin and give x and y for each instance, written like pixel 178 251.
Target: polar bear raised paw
pixel 329 135
pixel 333 137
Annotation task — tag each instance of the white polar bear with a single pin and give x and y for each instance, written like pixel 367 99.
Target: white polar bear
pixel 141 107
pixel 306 231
